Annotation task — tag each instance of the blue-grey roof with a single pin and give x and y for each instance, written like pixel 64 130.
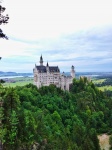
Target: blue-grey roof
pixel 41 68
pixel 51 69
pixel 54 69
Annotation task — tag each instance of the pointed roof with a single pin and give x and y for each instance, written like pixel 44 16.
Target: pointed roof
pixel 41 58
pixel 72 67
pixel 47 64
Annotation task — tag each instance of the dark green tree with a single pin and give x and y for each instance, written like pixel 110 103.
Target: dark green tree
pixel 11 105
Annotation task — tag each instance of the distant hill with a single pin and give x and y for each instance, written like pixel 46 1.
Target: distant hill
pixel 94 74
pixel 78 74
pixel 14 74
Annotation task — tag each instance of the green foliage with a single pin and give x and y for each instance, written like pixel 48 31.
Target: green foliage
pixel 49 118
pixel 13 130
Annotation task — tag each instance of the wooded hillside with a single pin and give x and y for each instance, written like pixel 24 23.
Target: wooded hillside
pixel 51 119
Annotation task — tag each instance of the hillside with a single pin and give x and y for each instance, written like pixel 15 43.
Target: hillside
pixel 49 118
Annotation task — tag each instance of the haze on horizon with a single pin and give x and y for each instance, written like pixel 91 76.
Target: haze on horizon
pixel 65 32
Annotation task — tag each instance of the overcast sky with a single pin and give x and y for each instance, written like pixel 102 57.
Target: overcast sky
pixel 65 32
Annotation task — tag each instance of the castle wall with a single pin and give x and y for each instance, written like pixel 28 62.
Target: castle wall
pixel 45 79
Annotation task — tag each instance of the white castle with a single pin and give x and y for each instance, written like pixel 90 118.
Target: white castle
pixel 46 75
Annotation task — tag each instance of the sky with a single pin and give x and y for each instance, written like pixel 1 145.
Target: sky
pixel 65 32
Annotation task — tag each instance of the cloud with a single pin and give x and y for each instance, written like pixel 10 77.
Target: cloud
pixel 48 19
pixel 83 49
pixel 66 33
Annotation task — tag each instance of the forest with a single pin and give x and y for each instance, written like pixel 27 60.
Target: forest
pixel 108 81
pixel 106 84
pixel 52 119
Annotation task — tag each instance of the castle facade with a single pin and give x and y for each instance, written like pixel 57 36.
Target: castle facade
pixel 46 75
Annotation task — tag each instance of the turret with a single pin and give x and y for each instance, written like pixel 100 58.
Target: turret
pixel 72 72
pixel 47 67
pixel 41 61
pixel 63 73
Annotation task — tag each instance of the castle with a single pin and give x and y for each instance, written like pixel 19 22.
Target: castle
pixel 46 75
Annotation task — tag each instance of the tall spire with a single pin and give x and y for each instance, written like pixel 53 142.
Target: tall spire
pixel 47 64
pixel 47 67
pixel 41 61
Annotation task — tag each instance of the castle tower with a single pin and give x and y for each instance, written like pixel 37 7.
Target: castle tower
pixel 72 72
pixel 41 61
